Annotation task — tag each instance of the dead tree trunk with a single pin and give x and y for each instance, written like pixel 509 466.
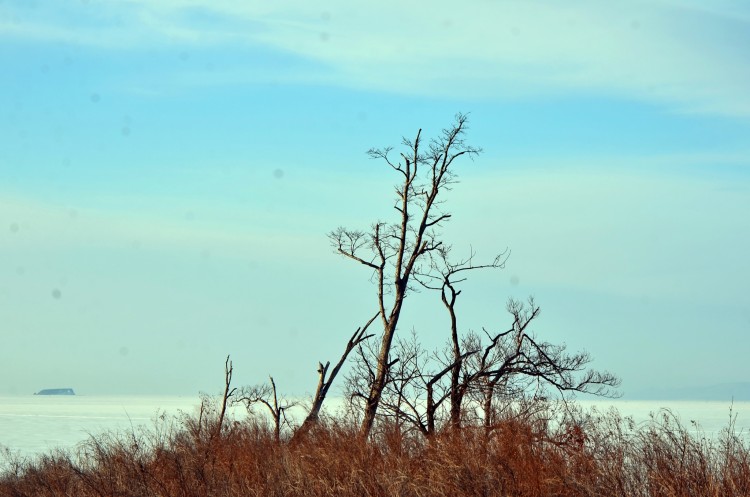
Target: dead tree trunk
pixel 324 383
pixel 456 392
pixel 401 246
pixel 376 390
pixel 267 395
pixel 444 276
pixel 228 393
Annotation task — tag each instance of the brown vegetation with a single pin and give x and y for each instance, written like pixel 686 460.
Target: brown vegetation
pixel 531 451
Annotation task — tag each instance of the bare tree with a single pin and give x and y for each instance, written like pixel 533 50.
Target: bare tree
pixel 512 367
pixel 398 377
pixel 265 394
pixel 515 360
pixel 455 392
pixel 404 386
pixel 207 408
pixel 393 251
pixel 445 276
pixel 414 393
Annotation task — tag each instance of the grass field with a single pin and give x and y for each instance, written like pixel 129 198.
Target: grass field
pixel 538 453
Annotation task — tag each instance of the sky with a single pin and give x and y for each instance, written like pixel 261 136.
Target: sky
pixel 169 170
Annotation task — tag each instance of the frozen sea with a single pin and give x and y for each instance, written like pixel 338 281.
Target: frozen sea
pixel 32 425
pixel 35 424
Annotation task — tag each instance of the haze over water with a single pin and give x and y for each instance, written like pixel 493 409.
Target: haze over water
pixel 34 425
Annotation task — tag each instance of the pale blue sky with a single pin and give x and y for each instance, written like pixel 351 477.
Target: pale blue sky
pixel 169 170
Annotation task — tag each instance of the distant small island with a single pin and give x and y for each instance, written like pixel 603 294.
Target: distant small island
pixel 56 391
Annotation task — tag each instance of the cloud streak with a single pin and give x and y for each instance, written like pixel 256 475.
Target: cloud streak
pixel 690 57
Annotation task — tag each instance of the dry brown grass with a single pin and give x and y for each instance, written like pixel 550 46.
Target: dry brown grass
pixel 577 455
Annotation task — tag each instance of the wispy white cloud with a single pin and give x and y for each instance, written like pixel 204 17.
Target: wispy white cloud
pixel 686 54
